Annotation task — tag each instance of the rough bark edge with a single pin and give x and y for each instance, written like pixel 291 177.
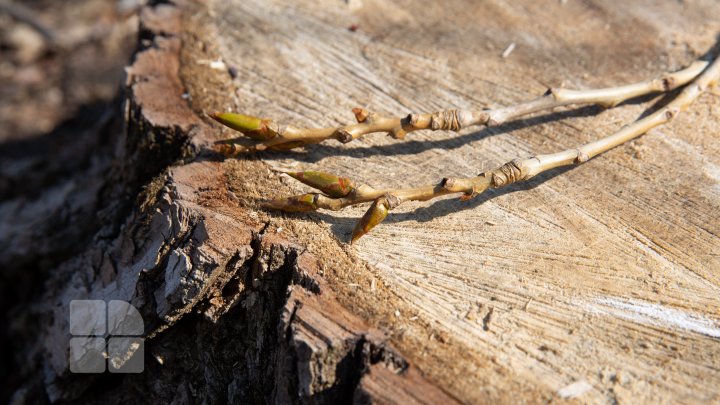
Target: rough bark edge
pixel 313 350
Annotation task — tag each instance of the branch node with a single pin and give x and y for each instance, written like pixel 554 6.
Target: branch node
pixel 492 119
pixel 397 133
pixel 470 195
pixel 581 157
pixel 344 136
pixel 412 119
pixel 448 183
pixel 275 128
pixel 447 120
pixel 668 83
pixel 508 173
pixel 554 92
pixel 480 117
pixel 371 117
pixel 361 190
pixel 392 201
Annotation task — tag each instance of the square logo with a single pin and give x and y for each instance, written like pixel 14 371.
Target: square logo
pixel 87 355
pixel 106 336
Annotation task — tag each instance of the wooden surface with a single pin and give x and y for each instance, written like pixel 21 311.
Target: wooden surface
pixel 600 282
pixel 233 310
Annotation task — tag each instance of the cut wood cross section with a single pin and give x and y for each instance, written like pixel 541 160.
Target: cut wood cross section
pixel 585 276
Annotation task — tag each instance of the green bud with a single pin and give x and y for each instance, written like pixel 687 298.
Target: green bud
pixel 330 184
pixel 252 127
pixel 374 215
pixel 298 203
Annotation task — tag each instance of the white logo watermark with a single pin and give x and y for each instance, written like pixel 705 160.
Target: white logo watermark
pixel 101 331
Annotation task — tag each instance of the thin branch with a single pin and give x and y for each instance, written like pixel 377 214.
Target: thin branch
pixel 267 134
pixel 338 192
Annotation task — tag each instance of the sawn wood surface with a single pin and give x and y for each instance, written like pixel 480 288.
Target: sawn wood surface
pixel 599 283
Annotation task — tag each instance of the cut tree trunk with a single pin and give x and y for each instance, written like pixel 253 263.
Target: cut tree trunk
pixel 602 285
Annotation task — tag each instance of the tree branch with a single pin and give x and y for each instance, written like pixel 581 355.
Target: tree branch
pixel 339 192
pixel 265 134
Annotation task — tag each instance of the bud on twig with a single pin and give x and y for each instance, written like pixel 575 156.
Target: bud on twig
pixel 374 215
pixel 252 127
pixel 298 203
pixel 268 135
pixel 330 184
pixel 361 114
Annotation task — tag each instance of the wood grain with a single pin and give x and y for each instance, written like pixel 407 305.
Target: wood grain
pixel 608 273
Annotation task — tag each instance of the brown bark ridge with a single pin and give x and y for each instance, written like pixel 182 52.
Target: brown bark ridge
pixel 234 310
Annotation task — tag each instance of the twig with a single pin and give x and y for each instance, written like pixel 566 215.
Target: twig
pixel 267 134
pixel 338 192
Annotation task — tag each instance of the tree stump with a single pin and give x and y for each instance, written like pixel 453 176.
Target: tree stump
pixel 602 285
